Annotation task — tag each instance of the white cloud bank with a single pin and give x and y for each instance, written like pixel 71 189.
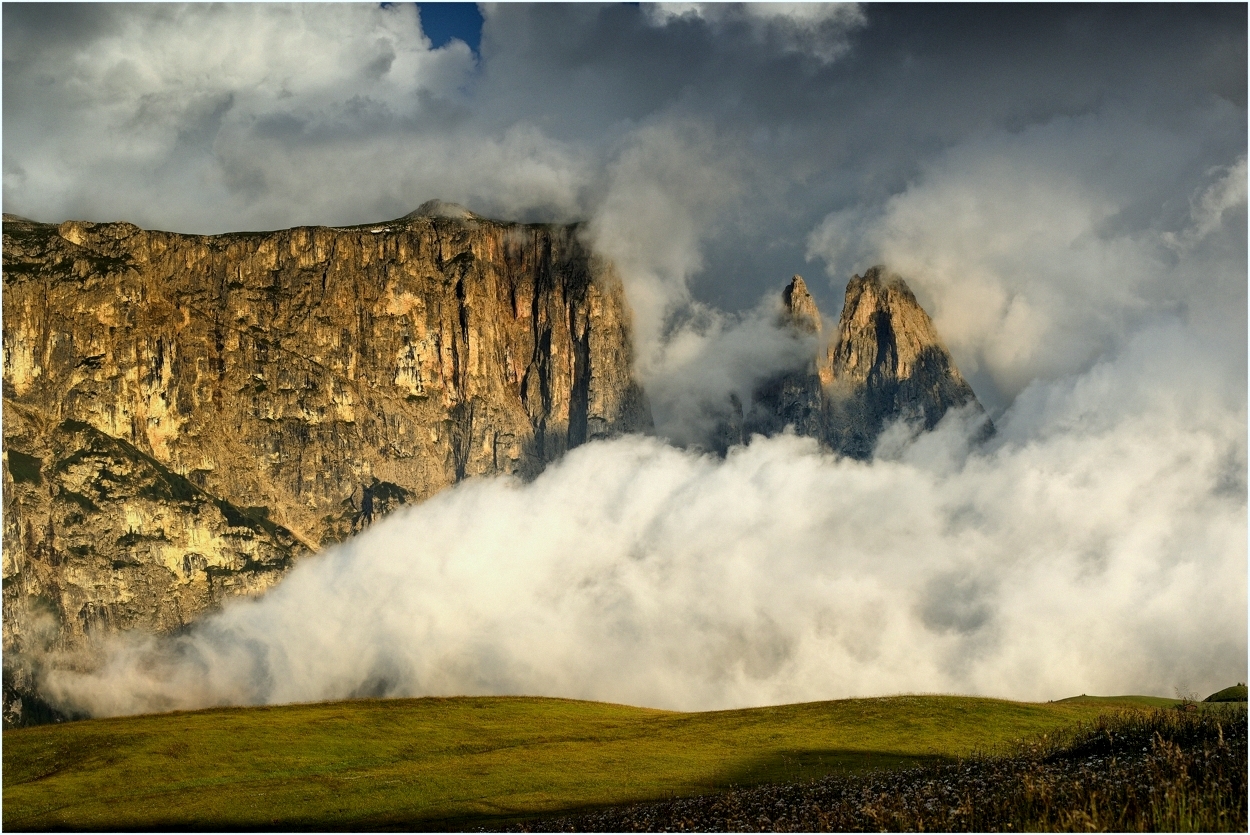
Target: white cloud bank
pixel 1080 244
pixel 1097 546
pixel 1037 252
pixel 215 118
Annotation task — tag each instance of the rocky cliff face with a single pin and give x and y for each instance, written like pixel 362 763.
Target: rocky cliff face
pixel 885 363
pixel 185 415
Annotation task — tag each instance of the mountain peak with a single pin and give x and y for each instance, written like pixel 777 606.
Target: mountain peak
pixel 883 330
pixel 441 208
pixel 801 310
pixel 884 363
pixel 887 362
pixel 879 275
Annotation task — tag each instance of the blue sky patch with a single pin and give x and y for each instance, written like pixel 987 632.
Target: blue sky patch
pixel 443 21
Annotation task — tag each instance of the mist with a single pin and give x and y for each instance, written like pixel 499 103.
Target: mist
pixel 1094 547
pixel 1063 188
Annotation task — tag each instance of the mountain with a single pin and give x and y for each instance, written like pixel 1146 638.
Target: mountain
pixel 185 416
pixel 885 363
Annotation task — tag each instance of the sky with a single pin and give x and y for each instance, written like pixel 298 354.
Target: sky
pixel 443 21
pixel 1063 187
pixel 719 148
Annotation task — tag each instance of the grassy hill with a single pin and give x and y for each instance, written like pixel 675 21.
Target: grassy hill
pixel 1131 771
pixel 1236 693
pixel 453 763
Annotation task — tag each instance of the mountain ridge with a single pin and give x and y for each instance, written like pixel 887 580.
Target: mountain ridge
pixel 181 410
pixel 885 362
pixel 186 416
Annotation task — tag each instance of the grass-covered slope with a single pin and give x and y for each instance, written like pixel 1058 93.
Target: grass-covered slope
pixel 1133 771
pixel 465 761
pixel 1236 693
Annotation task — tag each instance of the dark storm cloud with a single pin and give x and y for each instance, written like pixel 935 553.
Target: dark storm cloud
pixel 31 28
pixel 847 116
pixel 826 135
pixel 717 149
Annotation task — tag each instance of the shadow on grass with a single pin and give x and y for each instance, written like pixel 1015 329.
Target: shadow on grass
pixel 776 767
pixel 798 765
pixel 791 766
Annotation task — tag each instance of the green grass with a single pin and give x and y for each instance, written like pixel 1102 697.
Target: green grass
pixel 1115 701
pixel 1236 693
pixel 459 762
pixel 1158 770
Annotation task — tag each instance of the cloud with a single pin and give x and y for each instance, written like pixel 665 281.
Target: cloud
pixel 178 117
pixel 1209 206
pixel 1063 187
pixel 1073 555
pixel 663 190
pixel 816 29
pixel 708 357
pixel 215 118
pixel 1024 248
pixel 664 193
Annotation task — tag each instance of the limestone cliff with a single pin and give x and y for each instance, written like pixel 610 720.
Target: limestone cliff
pixel 185 415
pixel 886 362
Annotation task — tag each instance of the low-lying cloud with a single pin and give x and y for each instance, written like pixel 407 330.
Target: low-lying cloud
pixel 1096 545
pixel 1063 188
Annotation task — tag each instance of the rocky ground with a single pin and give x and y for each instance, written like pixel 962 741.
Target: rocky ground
pixel 1168 771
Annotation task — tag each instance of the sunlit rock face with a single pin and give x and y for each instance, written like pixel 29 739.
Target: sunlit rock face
pixel 800 308
pixel 185 415
pixel 885 363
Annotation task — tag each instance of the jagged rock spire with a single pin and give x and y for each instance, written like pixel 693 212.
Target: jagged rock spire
pixel 883 330
pixel 885 362
pixel 800 307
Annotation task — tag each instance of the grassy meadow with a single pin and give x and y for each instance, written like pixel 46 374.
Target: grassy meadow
pixel 1129 771
pixel 475 761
